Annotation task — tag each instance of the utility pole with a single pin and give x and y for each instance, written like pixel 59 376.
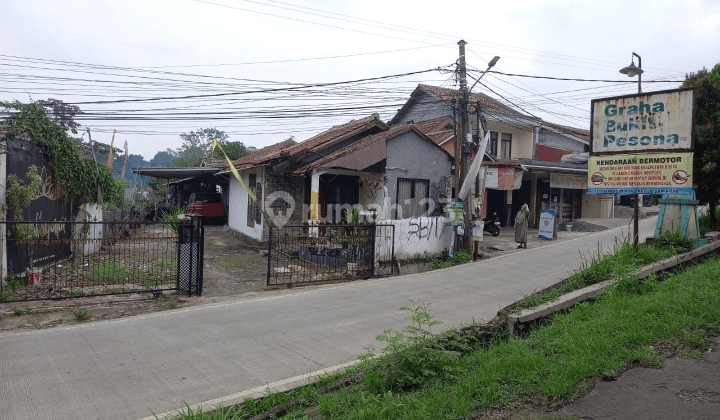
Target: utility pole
pixel 462 131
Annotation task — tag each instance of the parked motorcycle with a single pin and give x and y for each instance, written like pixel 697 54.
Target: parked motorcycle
pixel 492 225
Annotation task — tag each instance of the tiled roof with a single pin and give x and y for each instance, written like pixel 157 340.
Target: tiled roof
pixel 368 141
pixel 337 132
pixel 265 154
pixel 290 148
pixel 438 130
pixel 486 102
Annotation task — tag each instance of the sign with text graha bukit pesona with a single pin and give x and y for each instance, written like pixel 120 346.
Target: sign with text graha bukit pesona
pixel 642 123
pixel 642 144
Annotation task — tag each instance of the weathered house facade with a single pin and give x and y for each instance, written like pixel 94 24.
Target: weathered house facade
pixel 523 155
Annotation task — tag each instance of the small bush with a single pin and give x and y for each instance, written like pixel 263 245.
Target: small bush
pixel 446 261
pixel 171 217
pixel 81 314
pixel 13 282
pixel 675 241
pixel 410 358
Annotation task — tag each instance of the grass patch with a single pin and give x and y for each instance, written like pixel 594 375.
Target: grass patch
pixel 302 397
pixel 165 264
pixel 18 311
pixel 14 282
pixel 81 314
pixel 445 260
pixel 113 272
pixel 170 303
pixel 624 259
pixel 238 261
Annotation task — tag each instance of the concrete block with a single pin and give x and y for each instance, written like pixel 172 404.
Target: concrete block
pixel 712 236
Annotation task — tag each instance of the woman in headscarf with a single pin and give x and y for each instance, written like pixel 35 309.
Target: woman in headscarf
pixel 521 226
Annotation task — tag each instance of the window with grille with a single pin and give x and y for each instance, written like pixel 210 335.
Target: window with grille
pixel 506 145
pixel 412 198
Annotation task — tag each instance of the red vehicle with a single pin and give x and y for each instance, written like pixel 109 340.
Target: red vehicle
pixel 207 204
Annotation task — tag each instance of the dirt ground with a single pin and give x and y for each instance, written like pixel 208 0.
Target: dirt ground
pixel 681 389
pixel 232 270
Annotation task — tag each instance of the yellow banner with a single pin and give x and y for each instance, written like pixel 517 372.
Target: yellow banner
pixel 234 171
pixel 661 173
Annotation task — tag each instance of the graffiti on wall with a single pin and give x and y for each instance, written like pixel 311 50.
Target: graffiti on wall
pixel 425 228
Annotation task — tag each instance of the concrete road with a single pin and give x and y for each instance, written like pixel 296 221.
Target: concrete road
pixel 133 367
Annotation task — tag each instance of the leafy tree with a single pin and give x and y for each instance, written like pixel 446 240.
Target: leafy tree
pixel 189 158
pixel 234 150
pixel 197 144
pixel 72 172
pixel 161 159
pixel 61 113
pixel 58 111
pixel 706 164
pixel 134 161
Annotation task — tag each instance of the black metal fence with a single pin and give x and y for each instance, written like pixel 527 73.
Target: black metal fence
pixel 305 253
pixel 47 260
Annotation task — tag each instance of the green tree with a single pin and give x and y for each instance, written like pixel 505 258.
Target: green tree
pixel 197 144
pixel 234 150
pixel 73 173
pixel 161 159
pixel 706 164
pixel 61 113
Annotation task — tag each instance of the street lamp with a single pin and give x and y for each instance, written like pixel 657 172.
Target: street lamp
pixel 491 64
pixel 633 71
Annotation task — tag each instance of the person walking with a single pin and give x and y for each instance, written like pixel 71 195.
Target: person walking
pixel 521 226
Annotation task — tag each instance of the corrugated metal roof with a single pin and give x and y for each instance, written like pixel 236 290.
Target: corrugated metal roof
pixel 170 173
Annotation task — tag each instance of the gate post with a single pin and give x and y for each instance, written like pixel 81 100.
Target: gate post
pixel 373 259
pixel 190 255
pixel 269 254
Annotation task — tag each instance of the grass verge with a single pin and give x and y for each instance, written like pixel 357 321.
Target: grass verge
pixel 624 259
pixel 636 323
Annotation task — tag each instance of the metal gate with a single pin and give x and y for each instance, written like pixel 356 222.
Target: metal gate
pixel 65 259
pixel 305 253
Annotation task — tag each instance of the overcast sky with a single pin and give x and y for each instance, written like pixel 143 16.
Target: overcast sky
pixel 154 69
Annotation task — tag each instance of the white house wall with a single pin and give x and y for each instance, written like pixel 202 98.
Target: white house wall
pixel 238 204
pixel 418 236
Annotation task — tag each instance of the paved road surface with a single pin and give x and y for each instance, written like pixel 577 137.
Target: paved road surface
pixel 133 367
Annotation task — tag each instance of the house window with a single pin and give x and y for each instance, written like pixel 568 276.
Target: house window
pixel 251 206
pixel 506 145
pixel 412 198
pixel 492 144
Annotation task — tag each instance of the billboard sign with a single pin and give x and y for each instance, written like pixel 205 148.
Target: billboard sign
pixel 649 122
pixel 655 173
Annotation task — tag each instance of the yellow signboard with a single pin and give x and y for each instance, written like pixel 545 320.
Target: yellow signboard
pixel 656 173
